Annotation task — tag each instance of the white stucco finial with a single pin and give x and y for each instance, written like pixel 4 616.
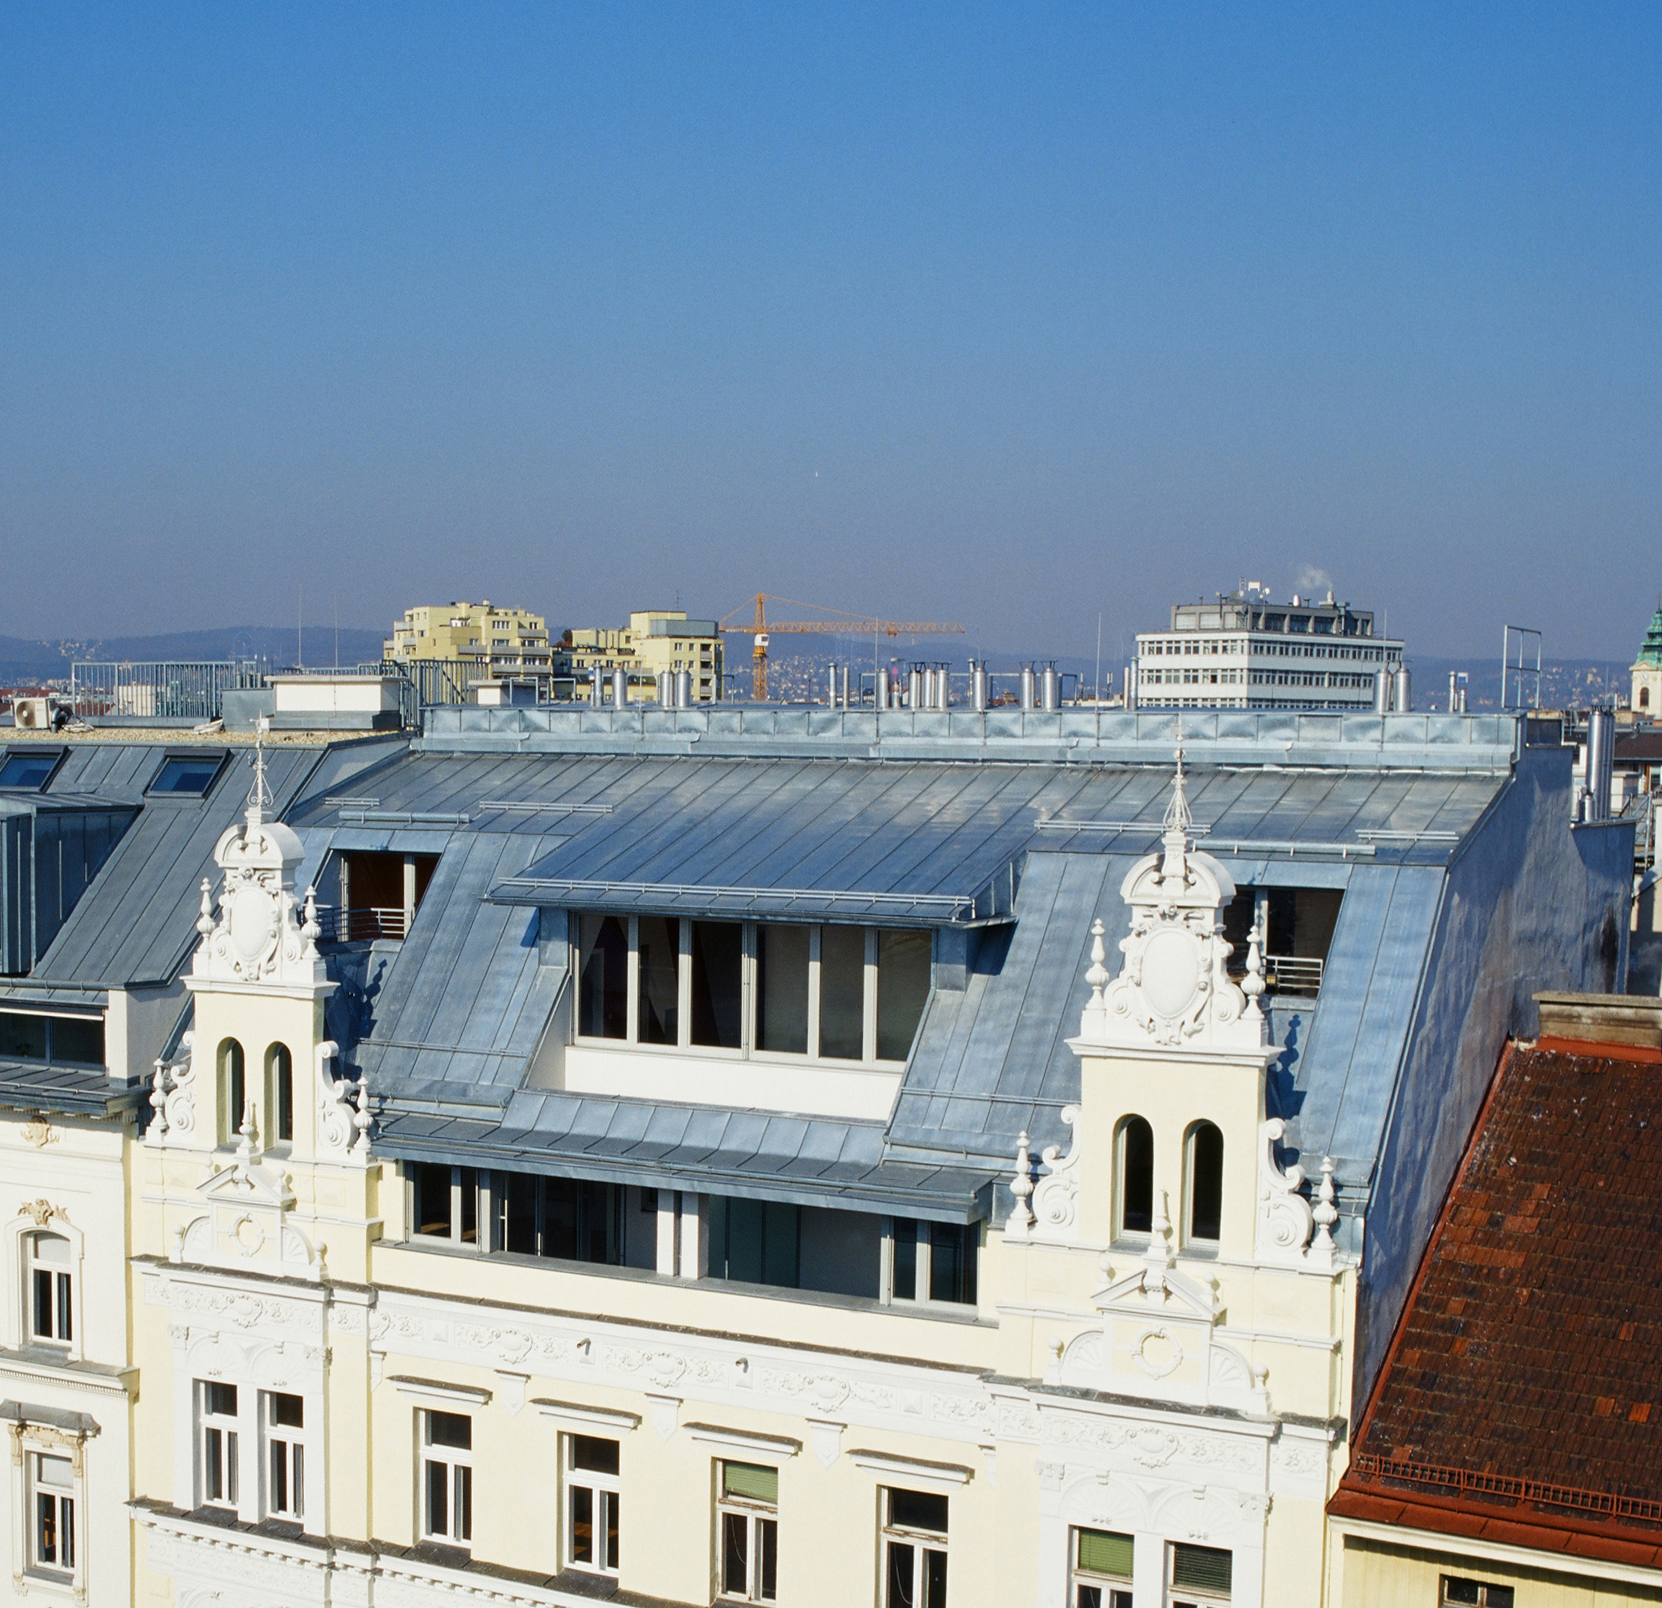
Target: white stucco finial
pixel 1021 1186
pixel 259 795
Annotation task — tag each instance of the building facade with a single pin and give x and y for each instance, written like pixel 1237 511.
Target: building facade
pixel 797 1156
pixel 1646 699
pixel 1246 651
pixel 654 641
pixel 484 639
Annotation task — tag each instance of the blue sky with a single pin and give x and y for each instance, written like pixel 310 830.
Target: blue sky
pixel 1006 316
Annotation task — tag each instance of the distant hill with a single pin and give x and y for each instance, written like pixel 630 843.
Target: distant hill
pixel 23 661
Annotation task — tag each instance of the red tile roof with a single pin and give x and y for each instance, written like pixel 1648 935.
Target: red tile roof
pixel 1522 1396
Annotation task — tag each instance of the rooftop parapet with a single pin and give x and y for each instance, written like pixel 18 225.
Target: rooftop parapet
pixel 1256 737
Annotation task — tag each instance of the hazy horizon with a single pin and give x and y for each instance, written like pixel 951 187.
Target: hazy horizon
pixel 1010 318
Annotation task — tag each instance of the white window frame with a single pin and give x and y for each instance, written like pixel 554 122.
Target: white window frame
pixel 457 1463
pixel 749 995
pixel 1485 1590
pixel 1186 1596
pixel 65 1503
pixel 288 1442
pixel 1114 1591
pixel 64 1289
pixel 753 1513
pixel 604 1493
pixel 920 1543
pixel 218 1441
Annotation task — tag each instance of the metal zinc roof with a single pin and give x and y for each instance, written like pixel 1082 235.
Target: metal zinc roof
pixel 136 922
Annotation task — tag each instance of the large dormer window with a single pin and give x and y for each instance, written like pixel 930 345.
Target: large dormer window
pixel 823 991
pixel 1295 931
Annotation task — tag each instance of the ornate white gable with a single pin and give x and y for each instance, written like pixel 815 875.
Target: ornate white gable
pixel 1173 992
pixel 257 936
pixel 246 1225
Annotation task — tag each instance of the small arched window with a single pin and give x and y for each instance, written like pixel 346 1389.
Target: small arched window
pixel 1134 1155
pixel 51 1288
pixel 1205 1181
pixel 232 1090
pixel 1644 697
pixel 279 1092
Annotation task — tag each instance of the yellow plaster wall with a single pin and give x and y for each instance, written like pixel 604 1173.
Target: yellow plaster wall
pixel 1375 1575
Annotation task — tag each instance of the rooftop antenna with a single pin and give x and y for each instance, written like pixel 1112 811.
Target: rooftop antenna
pixel 259 795
pixel 299 627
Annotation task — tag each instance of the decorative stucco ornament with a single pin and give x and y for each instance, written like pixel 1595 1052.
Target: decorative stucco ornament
pixel 1174 991
pixel 257 935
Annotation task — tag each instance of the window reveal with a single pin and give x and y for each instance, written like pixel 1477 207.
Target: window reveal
pixel 1200 1576
pixel 1205 1183
pixel 1101 1569
pixel 593 1506
pixel 51 1288
pixel 1136 1176
pixel 748 1519
pixel 447 1478
pixel 54 1512
pixel 220 1465
pixel 914 1549
pixel 285 1422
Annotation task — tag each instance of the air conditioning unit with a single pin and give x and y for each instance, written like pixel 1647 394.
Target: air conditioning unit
pixel 32 714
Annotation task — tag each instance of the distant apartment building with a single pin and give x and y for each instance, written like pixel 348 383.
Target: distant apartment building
pixel 1246 651
pixel 483 636
pixel 655 640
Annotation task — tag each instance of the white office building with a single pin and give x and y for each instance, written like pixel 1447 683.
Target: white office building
pixel 1246 651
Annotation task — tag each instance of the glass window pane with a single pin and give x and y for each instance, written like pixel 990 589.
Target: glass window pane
pixel 53 1248
pixel 782 989
pixel 593 1453
pixel 750 1481
pixel 438 1499
pixel 189 776
pixel 1201 1568
pixel 58 1472
pixel 917 1510
pixel 287 1411
pixel 735 1553
pixel 22 1037
pixel 78 1040
pixel 1103 1552
pixel 902 990
pixel 464 1503
pixel 613 1503
pixel 220 1400
pixel 900 1595
pixel 450 1429
pixel 603 982
pixel 432 1199
pixel 28 770
pixel 952 1255
pixel 660 979
pixel 717 966
pixel 842 983
pixel 905 1286
pixel 934 1579
pixel 767 1535
pixel 582 1524
pixel 1136 1177
pixel 1206 1183
pixel 559 1218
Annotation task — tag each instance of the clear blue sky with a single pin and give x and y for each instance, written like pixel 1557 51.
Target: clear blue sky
pixel 1008 316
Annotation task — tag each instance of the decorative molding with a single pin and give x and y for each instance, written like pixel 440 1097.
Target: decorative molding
pixel 42 1211
pixel 513 1390
pixel 1020 1222
pixel 39 1132
pixel 739 1440
pixel 1174 993
pixel 439 1390
pixel 666 1414
pixel 913 1468
pixel 1284 1217
pixel 1056 1195
pixel 574 1416
pixel 827 1437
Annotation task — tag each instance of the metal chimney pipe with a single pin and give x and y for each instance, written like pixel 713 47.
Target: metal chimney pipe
pixel 683 689
pixel 1028 687
pixel 880 689
pixel 1402 690
pixel 620 688
pixel 1462 700
pixel 1052 688
pixel 842 685
pixel 831 684
pixel 666 689
pixel 1451 675
pixel 597 694
pixel 1131 685
pixel 1381 693
pixel 1601 762
pixel 914 688
pixel 978 684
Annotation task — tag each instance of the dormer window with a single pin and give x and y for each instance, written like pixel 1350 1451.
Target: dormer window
pixel 827 992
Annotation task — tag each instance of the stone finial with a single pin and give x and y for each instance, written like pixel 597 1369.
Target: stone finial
pixel 1252 985
pixel 205 921
pixel 1021 1186
pixel 310 931
pixel 157 1130
pixel 1093 1021
pixel 1326 1214
pixel 361 1119
pixel 1159 1259
pixel 259 795
pixel 248 1136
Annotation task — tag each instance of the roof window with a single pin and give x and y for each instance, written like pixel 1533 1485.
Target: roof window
pixel 1295 930
pixel 187 775
pixel 30 770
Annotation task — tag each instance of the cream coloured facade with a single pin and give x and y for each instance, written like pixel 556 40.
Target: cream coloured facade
pixel 775 1178
pixel 654 641
pixel 484 637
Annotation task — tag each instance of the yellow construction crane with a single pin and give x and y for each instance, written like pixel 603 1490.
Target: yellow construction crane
pixel 844 625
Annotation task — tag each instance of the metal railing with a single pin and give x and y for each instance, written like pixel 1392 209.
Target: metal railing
pixel 1466 1482
pixel 361 924
pixel 1283 974
pixel 157 689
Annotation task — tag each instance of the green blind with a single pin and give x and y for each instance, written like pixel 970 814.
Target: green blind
pixel 1201 1568
pixel 1102 1552
pixel 748 1480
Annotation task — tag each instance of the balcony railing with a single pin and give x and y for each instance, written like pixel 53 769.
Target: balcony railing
pixel 361 924
pixel 1468 1482
pixel 1283 974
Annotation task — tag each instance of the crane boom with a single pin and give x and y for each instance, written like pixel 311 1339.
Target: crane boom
pixel 849 625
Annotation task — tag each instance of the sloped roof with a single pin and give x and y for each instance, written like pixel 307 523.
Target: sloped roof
pixel 1522 1395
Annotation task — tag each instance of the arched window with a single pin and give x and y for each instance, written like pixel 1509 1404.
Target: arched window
pixel 279 1093
pixel 1204 1218
pixel 51 1288
pixel 1644 697
pixel 232 1090
pixel 1134 1162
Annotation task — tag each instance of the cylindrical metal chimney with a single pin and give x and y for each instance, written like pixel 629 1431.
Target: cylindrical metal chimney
pixel 1029 687
pixel 620 688
pixel 1131 685
pixel 831 684
pixel 1051 687
pixel 842 685
pixel 978 684
pixel 666 689
pixel 1451 675
pixel 1381 692
pixel 880 689
pixel 683 689
pixel 1402 690
pixel 597 693
pixel 1601 762
pixel 914 688
pixel 1460 700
